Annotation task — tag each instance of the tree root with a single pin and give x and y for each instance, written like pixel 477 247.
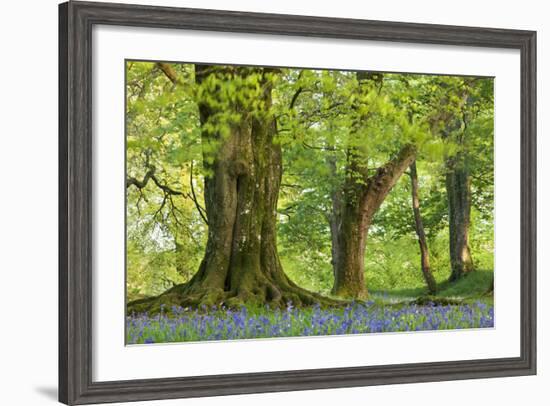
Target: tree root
pixel 193 295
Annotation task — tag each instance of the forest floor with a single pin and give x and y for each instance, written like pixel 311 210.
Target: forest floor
pixel 463 304
pixel 253 323
pixel 473 287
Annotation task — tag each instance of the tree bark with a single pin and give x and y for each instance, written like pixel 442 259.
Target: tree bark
pixel 457 181
pixel 243 174
pixel 362 197
pixel 419 227
pixel 458 184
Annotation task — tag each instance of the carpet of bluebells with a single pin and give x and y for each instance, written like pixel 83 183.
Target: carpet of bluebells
pixel 179 324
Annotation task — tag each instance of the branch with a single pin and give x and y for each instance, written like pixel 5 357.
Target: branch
pixel 165 188
pixel 159 211
pixel 173 210
pixel 150 175
pixel 286 211
pixel 291 185
pixel 194 196
pixel 169 72
pixel 140 184
pixel 295 97
pixel 330 148
pixel 167 191
pixel 387 175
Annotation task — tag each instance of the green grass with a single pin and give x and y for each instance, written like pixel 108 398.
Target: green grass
pixel 402 282
pixel 470 288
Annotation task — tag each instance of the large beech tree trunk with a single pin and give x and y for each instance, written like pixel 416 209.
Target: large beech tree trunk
pixel 419 227
pixel 243 173
pixel 458 184
pixel 361 198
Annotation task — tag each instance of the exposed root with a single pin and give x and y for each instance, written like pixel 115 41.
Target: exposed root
pixel 192 295
pixel 436 301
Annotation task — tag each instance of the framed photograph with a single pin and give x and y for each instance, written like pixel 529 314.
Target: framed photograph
pixel 259 202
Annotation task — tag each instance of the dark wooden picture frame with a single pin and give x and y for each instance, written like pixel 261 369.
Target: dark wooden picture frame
pixel 76 20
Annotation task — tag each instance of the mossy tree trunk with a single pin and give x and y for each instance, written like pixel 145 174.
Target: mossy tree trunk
pixel 458 184
pixel 362 197
pixel 419 228
pixel 451 122
pixel 357 201
pixel 243 168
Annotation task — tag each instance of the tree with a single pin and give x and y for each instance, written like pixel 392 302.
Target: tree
pixel 242 176
pixel 458 183
pixel 419 228
pixel 362 197
pixel 465 100
pixel 359 198
pixel 367 144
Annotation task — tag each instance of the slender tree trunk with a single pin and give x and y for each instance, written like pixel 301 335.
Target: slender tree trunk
pixel 459 201
pixel 334 223
pixel 335 216
pixel 243 173
pixel 419 227
pixel 362 197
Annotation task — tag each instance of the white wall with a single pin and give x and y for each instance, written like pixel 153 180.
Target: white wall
pixel 28 206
